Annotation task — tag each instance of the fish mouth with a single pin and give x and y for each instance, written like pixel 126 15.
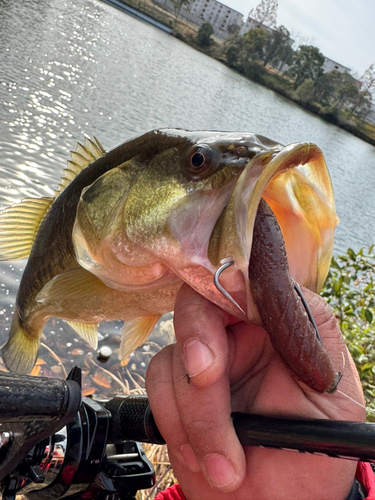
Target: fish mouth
pixel 296 185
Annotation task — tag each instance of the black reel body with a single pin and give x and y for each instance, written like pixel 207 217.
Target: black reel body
pixel 71 456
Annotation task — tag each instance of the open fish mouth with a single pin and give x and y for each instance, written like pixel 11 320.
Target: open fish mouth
pixel 296 185
pixel 285 220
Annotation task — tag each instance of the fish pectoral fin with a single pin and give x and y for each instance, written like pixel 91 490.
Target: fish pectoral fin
pixel 19 225
pixel 135 333
pixel 89 332
pixel 75 283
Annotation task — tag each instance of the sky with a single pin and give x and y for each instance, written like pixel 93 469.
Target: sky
pixel 343 30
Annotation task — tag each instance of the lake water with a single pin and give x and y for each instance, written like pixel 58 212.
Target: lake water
pixel 83 67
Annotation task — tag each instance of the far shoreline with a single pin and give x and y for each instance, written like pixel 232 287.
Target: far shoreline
pixel 185 32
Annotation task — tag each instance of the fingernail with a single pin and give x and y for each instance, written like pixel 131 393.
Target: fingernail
pixel 190 458
pixel 219 471
pixel 198 357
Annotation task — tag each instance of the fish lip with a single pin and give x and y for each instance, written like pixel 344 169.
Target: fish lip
pixel 258 181
pixel 289 157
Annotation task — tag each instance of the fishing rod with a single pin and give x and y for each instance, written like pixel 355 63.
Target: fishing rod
pixel 54 444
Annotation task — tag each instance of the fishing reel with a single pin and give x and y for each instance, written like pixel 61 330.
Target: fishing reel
pixel 55 445
pixel 59 446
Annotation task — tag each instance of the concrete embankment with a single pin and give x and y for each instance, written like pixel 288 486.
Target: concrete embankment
pixel 139 15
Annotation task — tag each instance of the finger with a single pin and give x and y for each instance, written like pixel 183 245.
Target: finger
pixel 332 337
pixel 205 415
pixel 201 337
pixel 160 391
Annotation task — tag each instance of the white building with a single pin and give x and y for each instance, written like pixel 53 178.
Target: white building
pixel 220 16
pixel 216 13
pixel 251 24
pixel 330 65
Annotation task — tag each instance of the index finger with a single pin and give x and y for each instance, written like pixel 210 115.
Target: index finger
pixel 200 333
pixel 204 400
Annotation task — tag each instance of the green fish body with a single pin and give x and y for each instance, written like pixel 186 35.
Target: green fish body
pixel 126 228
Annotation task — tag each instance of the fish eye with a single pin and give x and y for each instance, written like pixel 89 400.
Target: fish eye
pixel 197 160
pixel 200 162
pixel 241 150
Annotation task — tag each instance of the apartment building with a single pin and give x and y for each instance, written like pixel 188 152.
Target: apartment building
pixel 216 13
pixel 220 16
pixel 330 65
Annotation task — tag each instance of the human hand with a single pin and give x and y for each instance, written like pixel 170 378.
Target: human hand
pixel 232 366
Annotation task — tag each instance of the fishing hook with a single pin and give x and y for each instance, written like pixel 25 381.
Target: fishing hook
pixel 221 289
pixel 295 286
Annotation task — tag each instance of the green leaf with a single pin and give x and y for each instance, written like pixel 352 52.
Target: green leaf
pixel 351 254
pixel 368 315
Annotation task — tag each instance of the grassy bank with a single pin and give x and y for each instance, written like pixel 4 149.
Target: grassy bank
pixel 282 85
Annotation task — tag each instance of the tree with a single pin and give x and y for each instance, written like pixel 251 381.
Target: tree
pixel 265 13
pixel 364 99
pixel 203 37
pixel 232 49
pixel 254 42
pixel 346 94
pixel 278 44
pixel 233 29
pixel 326 86
pixel 362 105
pixel 178 4
pixel 368 80
pixel 336 89
pixel 305 91
pixel 307 63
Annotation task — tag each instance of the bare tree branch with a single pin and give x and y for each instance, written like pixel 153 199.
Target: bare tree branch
pixel 265 13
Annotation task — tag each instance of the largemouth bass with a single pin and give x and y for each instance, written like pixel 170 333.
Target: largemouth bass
pixel 126 228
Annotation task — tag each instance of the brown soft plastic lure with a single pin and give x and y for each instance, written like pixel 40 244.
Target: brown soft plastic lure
pixel 283 315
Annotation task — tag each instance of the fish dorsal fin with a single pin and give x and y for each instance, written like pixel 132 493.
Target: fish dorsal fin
pixel 20 222
pixel 87 332
pixel 80 159
pixel 135 333
pixel 19 225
